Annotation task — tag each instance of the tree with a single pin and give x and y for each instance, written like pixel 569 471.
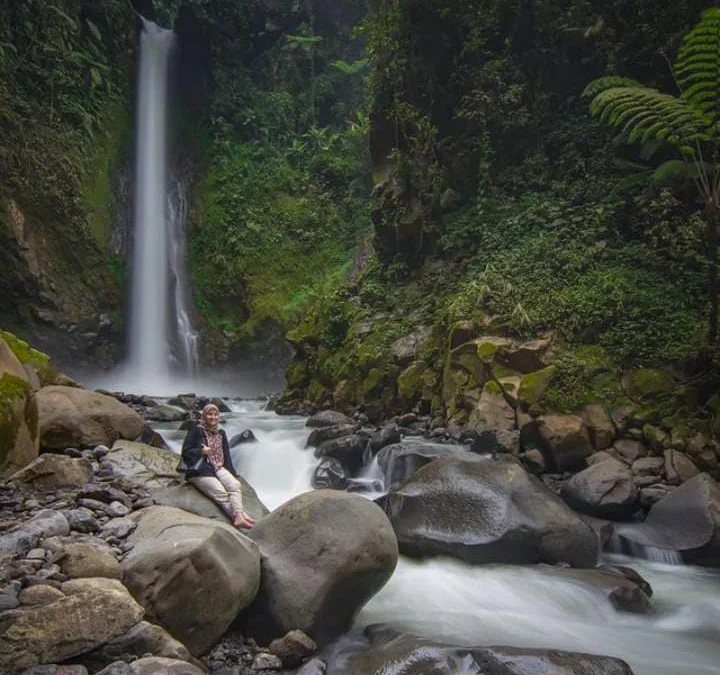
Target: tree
pixel 689 122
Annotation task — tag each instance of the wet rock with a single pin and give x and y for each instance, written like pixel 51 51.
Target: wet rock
pixel 564 441
pixel 399 461
pixel 324 554
pixel 321 434
pixel 605 490
pixel 600 426
pixel 329 474
pixel 648 466
pixel 328 418
pixel 679 468
pixel 629 450
pixel 245 436
pixel 349 450
pixel 482 510
pixel 401 654
pixel 165 413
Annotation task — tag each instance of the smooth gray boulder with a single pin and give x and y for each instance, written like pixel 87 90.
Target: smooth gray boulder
pixel 485 510
pixel 190 499
pixel 686 520
pixel 155 467
pixel 191 574
pixel 399 461
pixel 72 417
pixel 605 489
pixel 324 555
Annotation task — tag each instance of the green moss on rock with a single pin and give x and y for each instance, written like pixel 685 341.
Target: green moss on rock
pixel 534 385
pixel 647 383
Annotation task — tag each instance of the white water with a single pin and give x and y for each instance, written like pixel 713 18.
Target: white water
pixel 504 604
pixel 147 360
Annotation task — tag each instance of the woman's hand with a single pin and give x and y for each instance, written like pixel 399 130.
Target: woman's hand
pixel 206 450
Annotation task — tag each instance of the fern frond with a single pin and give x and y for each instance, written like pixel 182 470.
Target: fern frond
pixel 697 69
pixel 672 172
pixel 608 82
pixel 643 114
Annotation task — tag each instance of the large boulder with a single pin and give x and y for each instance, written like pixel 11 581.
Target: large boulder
pixel 687 520
pixel 324 554
pixel 190 499
pixel 51 471
pixel 484 511
pixel 77 417
pixel 399 461
pixel 564 441
pixel 392 652
pixel 605 489
pixel 19 440
pixel 71 625
pixel 154 466
pixel 191 574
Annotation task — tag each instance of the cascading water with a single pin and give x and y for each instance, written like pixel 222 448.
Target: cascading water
pixel 158 277
pixel 186 337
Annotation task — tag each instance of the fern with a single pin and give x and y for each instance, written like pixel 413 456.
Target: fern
pixel 697 69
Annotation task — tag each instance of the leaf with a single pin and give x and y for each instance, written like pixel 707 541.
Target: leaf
pixel 96 76
pixel 94 30
pixel 64 16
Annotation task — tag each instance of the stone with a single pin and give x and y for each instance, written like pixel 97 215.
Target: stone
pixel 158 665
pixel 19 438
pixel 65 628
pixel 190 499
pixel 118 527
pixel 679 468
pixel 648 466
pixel 293 648
pixel 266 661
pixel 349 450
pixel 143 638
pixel 193 575
pixel 52 471
pixel 154 466
pixel 40 594
pixel 329 474
pixel 526 357
pixel 564 441
pixel 492 411
pixel 390 651
pixel 81 559
pixel 245 436
pixel 69 416
pixel 600 426
pixel 604 490
pixel 399 461
pixel 328 418
pixel 324 554
pixel 629 450
pixel 507 515
pixel 321 434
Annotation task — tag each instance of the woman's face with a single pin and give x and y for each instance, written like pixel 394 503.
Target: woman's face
pixel 211 417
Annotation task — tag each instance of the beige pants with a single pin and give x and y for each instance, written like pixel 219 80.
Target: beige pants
pixel 223 488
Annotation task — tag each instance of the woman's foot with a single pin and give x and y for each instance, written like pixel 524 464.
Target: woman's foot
pixel 243 521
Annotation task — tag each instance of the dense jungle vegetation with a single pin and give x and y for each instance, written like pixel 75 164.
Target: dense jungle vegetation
pixel 497 199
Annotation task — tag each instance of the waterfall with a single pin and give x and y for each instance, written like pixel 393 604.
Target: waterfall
pixel 158 271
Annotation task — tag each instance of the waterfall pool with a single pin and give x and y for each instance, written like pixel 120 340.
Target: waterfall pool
pixel 500 604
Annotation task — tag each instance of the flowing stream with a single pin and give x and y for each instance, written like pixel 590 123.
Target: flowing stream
pixel 501 604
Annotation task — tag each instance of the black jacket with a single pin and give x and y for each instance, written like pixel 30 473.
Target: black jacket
pixel 192 452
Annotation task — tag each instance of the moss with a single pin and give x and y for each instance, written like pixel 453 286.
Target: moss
pixel 12 389
pixel 410 384
pixel 534 385
pixel 647 383
pixel 486 350
pixel 25 353
pixel 493 388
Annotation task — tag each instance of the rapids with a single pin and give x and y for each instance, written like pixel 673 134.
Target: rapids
pixel 500 604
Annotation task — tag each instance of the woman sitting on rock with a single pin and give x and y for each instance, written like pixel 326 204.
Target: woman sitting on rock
pixel 206 450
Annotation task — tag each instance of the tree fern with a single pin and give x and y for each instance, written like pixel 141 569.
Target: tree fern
pixel 697 69
pixel 689 122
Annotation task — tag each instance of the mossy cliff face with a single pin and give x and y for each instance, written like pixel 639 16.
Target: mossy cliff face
pixel 538 273
pixel 64 83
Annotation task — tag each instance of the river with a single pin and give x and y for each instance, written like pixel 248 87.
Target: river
pixel 501 604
